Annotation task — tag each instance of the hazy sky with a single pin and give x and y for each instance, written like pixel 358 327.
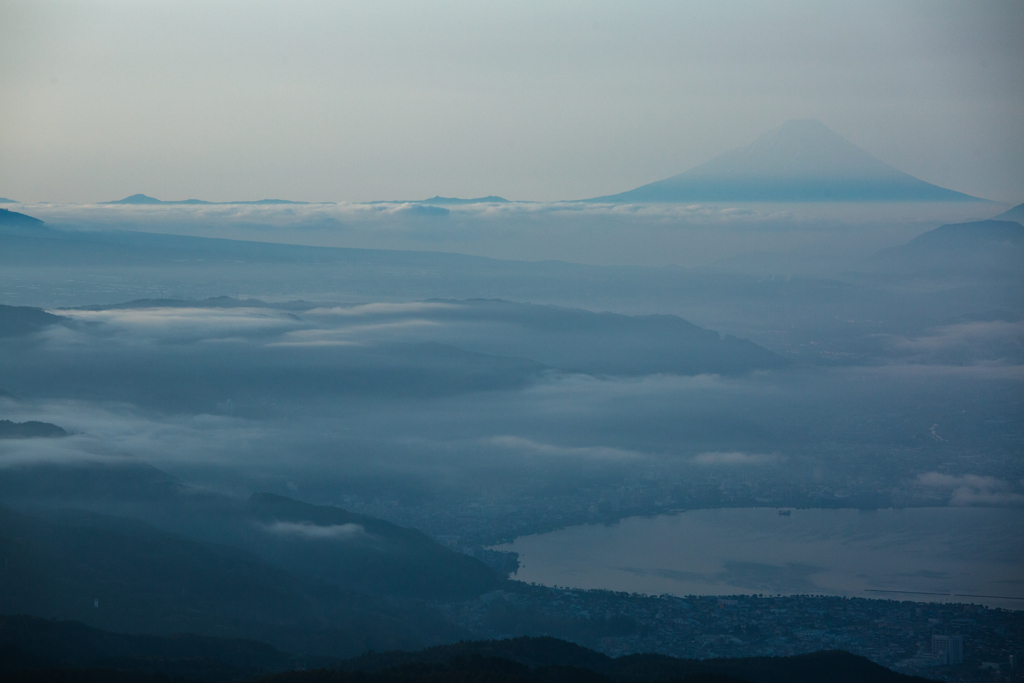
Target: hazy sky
pixel 327 101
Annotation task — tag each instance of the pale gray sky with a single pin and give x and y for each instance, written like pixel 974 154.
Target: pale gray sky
pixel 322 100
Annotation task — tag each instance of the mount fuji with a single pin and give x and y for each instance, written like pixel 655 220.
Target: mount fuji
pixel 800 161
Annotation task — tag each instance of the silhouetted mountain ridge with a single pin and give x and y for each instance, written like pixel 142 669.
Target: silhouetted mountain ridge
pixel 539 652
pixel 32 644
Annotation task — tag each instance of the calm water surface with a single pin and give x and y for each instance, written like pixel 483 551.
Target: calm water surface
pixel 961 554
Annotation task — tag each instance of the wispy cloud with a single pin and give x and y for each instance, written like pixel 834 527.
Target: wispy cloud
pixel 313 532
pixel 529 447
pixel 112 432
pixel 988 340
pixel 174 324
pixel 735 458
pixel 972 489
pixel 381 309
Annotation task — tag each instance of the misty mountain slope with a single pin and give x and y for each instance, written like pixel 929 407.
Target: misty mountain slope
pixel 126 248
pixel 255 377
pixel 174 356
pixel 361 553
pixel 29 430
pixel 150 581
pixel 17 321
pixel 74 483
pixel 145 580
pixel 984 249
pixel 573 340
pixel 812 320
pixel 321 544
pixel 800 161
pixel 577 340
pixel 784 314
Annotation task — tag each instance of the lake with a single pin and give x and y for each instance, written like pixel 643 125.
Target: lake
pixel 923 554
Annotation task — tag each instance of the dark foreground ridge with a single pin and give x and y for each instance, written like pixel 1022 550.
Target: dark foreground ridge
pixel 32 648
pixel 37 650
pixel 551 659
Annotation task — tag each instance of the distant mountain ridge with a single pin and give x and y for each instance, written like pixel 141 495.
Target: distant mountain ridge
pixel 145 199
pixel 800 161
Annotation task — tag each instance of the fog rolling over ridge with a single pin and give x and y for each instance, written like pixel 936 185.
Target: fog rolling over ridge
pixel 319 448
pixel 421 342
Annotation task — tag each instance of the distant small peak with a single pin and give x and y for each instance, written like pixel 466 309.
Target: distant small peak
pixel 489 199
pixel 5 200
pixel 136 199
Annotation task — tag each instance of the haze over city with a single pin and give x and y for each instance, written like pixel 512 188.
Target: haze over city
pixel 515 342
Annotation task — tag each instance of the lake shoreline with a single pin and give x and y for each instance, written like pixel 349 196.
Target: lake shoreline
pixel 939 554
